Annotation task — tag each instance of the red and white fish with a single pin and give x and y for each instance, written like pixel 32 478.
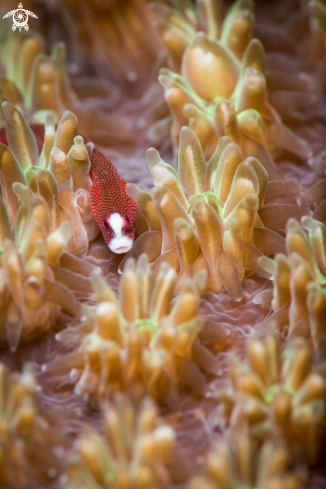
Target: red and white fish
pixel 114 212
pixel 112 209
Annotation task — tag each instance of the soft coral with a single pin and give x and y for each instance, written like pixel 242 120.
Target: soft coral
pixel 108 197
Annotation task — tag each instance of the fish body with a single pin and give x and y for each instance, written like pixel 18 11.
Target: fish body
pixel 113 211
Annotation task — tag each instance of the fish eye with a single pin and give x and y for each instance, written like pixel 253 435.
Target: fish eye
pixel 106 224
pixel 126 222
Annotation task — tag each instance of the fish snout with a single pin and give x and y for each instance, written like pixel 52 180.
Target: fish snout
pixel 120 242
pixel 121 245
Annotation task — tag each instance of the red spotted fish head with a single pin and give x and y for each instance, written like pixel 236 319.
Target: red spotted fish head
pixel 113 210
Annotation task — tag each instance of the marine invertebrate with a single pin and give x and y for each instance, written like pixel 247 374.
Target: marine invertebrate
pixel 217 95
pixel 47 174
pixel 135 451
pixel 42 82
pixel 46 208
pixel 247 118
pixel 33 289
pixel 37 232
pixel 62 175
pixel 278 393
pixel 298 296
pixel 140 343
pixel 177 28
pixel 211 215
pixel 115 38
pixel 27 440
pixel 239 463
pixel 37 83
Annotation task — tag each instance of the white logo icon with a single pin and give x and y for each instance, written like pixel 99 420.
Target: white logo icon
pixel 20 18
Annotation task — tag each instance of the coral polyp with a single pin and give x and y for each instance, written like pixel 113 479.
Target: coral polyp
pixel 140 343
pixel 38 83
pixel 44 224
pixel 240 463
pixel 47 174
pixel 135 451
pixel 27 441
pixel 298 296
pixel 115 38
pixel 222 89
pixel 62 175
pixel 277 393
pixel 211 215
pixel 32 291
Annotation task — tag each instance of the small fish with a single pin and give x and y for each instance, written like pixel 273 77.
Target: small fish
pixel 113 211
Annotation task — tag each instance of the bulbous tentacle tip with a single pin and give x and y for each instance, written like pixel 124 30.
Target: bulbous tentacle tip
pixel 153 157
pixel 315 8
pixel 292 225
pixel 205 60
pixel 309 223
pixel 6 105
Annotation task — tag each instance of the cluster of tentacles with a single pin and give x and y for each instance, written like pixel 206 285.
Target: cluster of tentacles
pixel 232 104
pixel 39 84
pixel 135 452
pixel 27 440
pixel 139 343
pixel 211 215
pixel 239 462
pixel 222 88
pixel 298 295
pixel 276 394
pixel 45 225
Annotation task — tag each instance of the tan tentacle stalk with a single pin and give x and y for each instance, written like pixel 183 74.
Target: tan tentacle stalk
pixel 140 342
pixel 277 392
pixel 28 441
pixel 135 450
pixel 219 204
pixel 298 280
pixel 237 462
